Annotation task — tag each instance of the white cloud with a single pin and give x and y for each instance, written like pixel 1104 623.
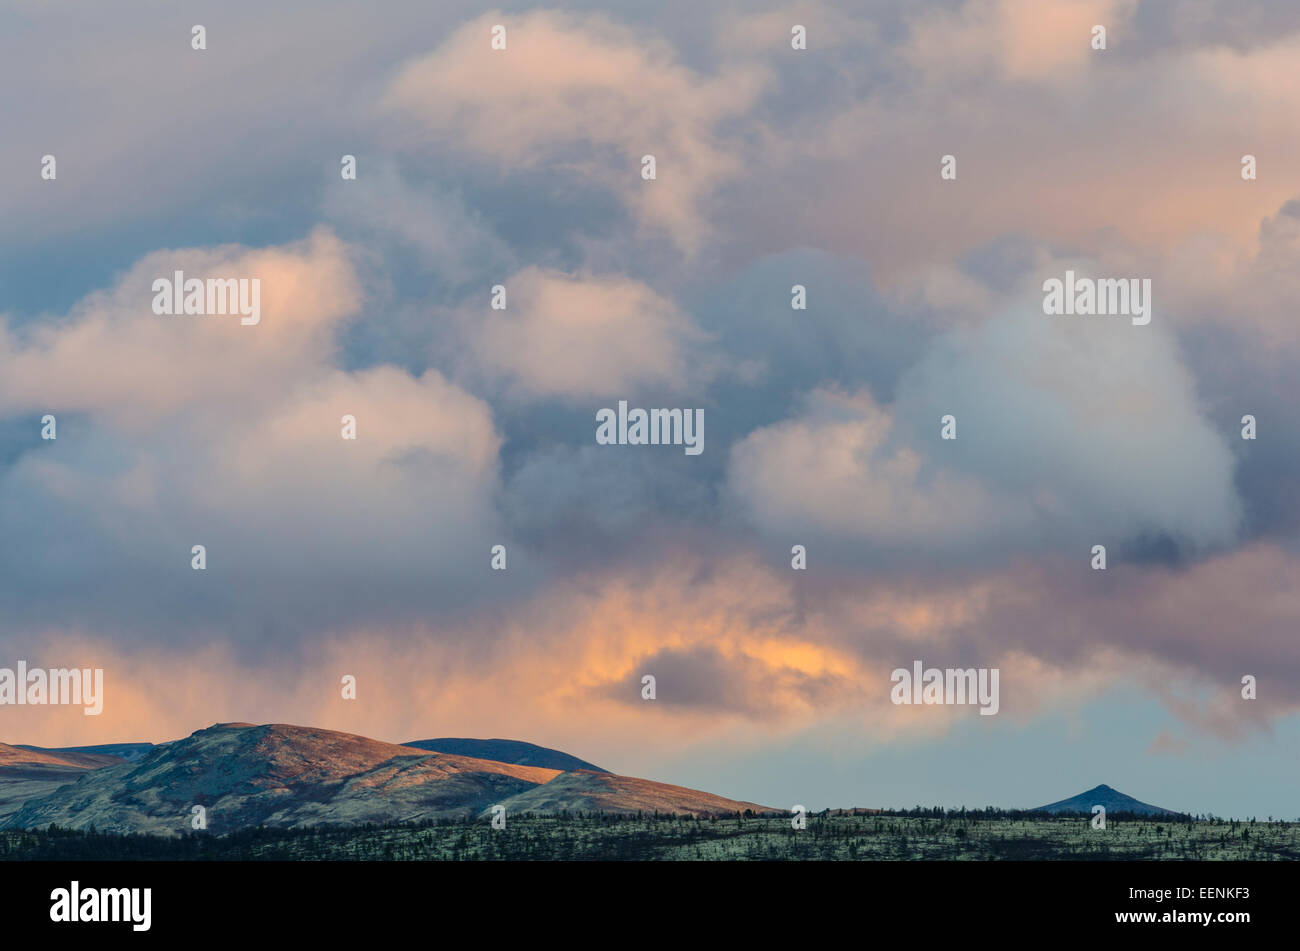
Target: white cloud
pixel 585 94
pixel 1068 429
pixel 584 335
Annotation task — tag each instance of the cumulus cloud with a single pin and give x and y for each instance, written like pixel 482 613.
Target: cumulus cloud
pixel 113 357
pixel 967 79
pixel 185 430
pixel 447 235
pixel 584 335
pixel 1013 39
pixel 591 96
pixel 1251 290
pixel 829 472
pixel 1069 431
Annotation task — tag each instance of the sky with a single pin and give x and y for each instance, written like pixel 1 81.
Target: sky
pixel 774 166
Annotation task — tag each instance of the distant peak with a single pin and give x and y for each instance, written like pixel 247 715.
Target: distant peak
pixel 1107 796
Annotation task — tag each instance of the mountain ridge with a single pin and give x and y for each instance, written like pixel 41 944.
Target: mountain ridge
pixel 287 776
pixel 125 751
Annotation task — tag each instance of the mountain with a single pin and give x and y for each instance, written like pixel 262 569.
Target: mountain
pixel 506 751
pixel 276 775
pixel 126 751
pixel 586 791
pixel 29 772
pixel 1112 799
pixel 11 756
pixel 285 776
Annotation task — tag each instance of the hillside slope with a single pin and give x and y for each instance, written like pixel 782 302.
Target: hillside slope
pixel 506 751
pixel 277 775
pixel 28 773
pixel 284 776
pixel 585 791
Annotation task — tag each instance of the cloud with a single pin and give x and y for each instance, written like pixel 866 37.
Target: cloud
pixel 1070 431
pixel 1019 39
pixel 446 234
pixel 1250 290
pixel 824 473
pixel 740 652
pixel 584 336
pixel 967 79
pixel 184 430
pixel 112 357
pixel 589 96
pixel 703 680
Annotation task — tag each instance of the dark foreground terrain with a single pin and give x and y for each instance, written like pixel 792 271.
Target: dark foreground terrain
pixel 917 835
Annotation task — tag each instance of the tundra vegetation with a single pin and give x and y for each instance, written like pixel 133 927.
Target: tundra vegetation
pixel 894 835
